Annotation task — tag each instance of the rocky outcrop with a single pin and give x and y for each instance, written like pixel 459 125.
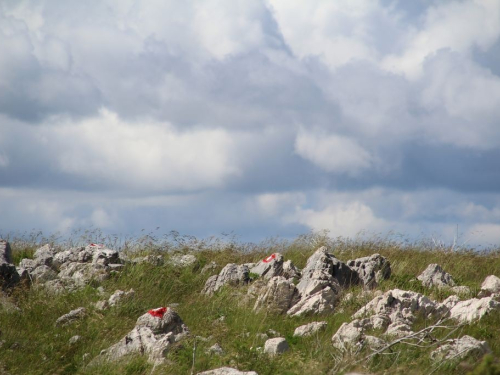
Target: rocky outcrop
pixel 323 301
pixel 278 295
pixel 461 348
pixel 490 286
pixel 351 336
pixel 309 329
pixel 270 266
pixel 371 270
pixel 435 276
pixel 473 309
pixel 8 272
pixel 276 346
pixel 227 371
pixel 231 274
pixel 153 335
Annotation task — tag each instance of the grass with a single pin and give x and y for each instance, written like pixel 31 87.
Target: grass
pixel 33 345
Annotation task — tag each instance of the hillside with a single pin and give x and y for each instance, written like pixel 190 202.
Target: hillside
pixel 394 322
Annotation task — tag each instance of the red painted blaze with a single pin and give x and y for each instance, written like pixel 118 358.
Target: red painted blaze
pixel 269 258
pixel 159 312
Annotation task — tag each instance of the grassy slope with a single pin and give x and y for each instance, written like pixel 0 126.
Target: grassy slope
pixel 34 346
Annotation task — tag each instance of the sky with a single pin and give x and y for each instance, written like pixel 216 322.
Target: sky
pixel 259 118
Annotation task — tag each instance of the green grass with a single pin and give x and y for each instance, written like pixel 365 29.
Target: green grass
pixel 33 345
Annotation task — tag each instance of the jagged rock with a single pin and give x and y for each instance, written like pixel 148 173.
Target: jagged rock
pixel 322 270
pixel 58 286
pixel 290 271
pixel 42 274
pixel 8 272
pixel 450 301
pixel 103 256
pixel 231 274
pixel 279 295
pixel 309 329
pixel 269 267
pixel 276 346
pixel 28 264
pixel 473 309
pixel 490 285
pixel 227 371
pixel 44 256
pixel 461 348
pixel 215 349
pixel 322 301
pixel 119 295
pixel 153 334
pixel 179 260
pixel 82 273
pixel 71 317
pixel 372 269
pixel 435 276
pixel 76 254
pixel 351 336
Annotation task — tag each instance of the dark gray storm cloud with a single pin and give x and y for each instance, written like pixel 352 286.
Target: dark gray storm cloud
pixel 260 118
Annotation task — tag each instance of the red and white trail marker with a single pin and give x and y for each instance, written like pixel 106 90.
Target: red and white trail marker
pixel 269 258
pixel 159 312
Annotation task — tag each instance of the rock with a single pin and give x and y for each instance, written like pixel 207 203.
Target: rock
pixel 28 264
pixel 309 329
pixel 276 346
pixel 461 348
pixel 323 270
pixel 351 336
pixel 101 305
pixel 209 268
pixel 231 274
pixel 279 295
pixel 473 309
pixel 490 285
pixel 290 271
pixel 76 254
pixel 155 260
pixel 323 301
pixel 74 339
pixel 227 371
pixel 44 256
pixel 71 317
pixel 82 273
pixel 435 276
pixel 215 349
pixel 460 289
pixel 8 272
pixel 371 270
pixel 179 260
pixel 153 334
pixel 42 274
pixel 58 286
pixel 103 256
pixel 269 267
pixel 119 295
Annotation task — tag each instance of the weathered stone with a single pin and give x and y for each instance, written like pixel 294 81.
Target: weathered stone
pixel 309 329
pixel 153 335
pixel 322 301
pixel 279 295
pixel 82 273
pixel 28 264
pixel 227 371
pixel 371 270
pixel 118 296
pixel 231 274
pixel 155 260
pixel 71 317
pixel 104 256
pixel 490 285
pixel 290 271
pixel 180 260
pixel 215 349
pixel 209 268
pixel 44 256
pixel 351 336
pixel 74 339
pixel 58 286
pixel 42 274
pixel 8 272
pixel 473 309
pixel 435 276
pixel 461 348
pixel 276 346
pixel 269 267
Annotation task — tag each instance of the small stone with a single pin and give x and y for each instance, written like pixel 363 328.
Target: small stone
pixel 179 260
pixel 491 285
pixel 276 346
pixel 461 348
pixel 435 276
pixel 215 349
pixel 74 339
pixel 309 329
pixel 71 317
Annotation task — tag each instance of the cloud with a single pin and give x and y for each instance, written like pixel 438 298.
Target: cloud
pixel 333 153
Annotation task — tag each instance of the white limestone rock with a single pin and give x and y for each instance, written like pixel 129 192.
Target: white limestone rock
pixel 490 286
pixel 71 317
pixel 180 260
pixel 119 296
pixel 278 296
pixel 323 301
pixel 309 329
pixel 42 274
pixel 473 309
pixel 435 276
pixel 372 269
pixel 461 348
pixel 231 274
pixel 269 267
pixel 276 346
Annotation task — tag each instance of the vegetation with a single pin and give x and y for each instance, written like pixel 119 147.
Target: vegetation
pixel 31 344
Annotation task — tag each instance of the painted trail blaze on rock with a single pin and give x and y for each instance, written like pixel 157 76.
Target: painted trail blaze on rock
pixel 159 312
pixel 96 245
pixel 269 258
